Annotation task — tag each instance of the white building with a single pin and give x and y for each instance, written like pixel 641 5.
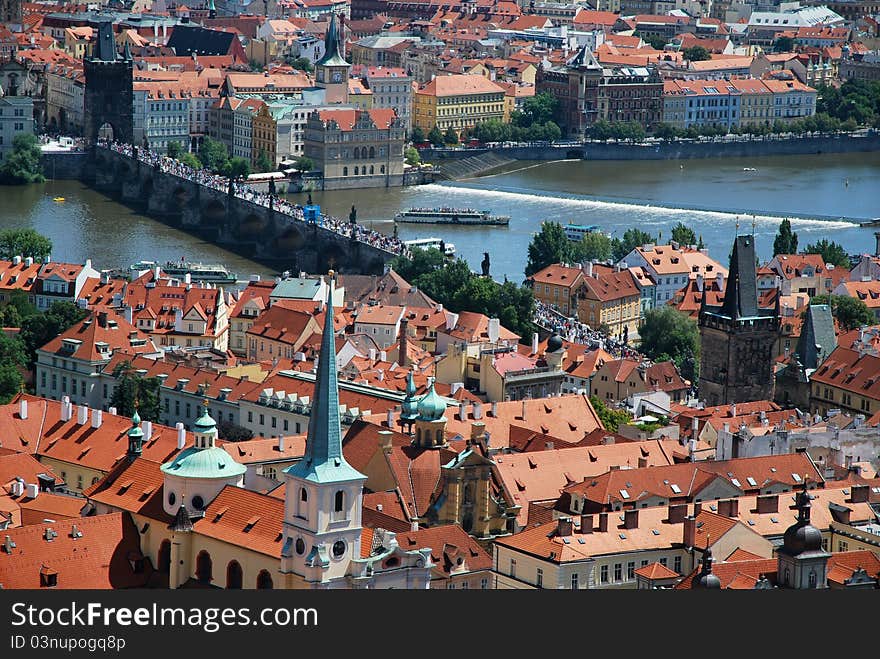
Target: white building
pixel 392 88
pixel 16 117
pixel 161 115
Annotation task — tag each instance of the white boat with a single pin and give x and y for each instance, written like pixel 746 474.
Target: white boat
pixel 448 249
pixel 207 272
pixel 749 169
pixel 575 232
pixel 448 215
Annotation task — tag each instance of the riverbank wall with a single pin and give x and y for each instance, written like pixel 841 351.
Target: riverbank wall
pixel 677 150
pixel 65 165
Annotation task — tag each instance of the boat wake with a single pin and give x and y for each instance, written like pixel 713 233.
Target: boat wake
pixel 660 212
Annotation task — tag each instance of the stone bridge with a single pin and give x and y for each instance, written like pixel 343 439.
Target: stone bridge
pixel 242 226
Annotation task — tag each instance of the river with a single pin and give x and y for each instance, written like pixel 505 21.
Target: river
pixel 823 195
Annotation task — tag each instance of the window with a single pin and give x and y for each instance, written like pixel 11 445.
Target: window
pixel 618 572
pixel 539 578
pixel 663 561
pixel 676 564
pixel 842 546
pixel 574 581
pixel 250 417
pixel 339 501
pixel 338 549
pixel 513 567
pixel 630 570
pixel 484 583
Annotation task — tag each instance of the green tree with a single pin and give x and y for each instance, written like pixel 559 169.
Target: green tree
pixel 173 150
pixel 213 154
pixel 131 389
pixel 696 54
pixel 631 239
pixel 450 136
pixel 669 334
pixel 601 130
pixel 22 165
pixel 300 63
pixel 783 45
pixel 24 243
pixel 443 283
pixel 610 418
pixel 423 261
pixel 39 329
pixel 12 350
pixel 850 312
pixel 264 163
pixel 10 382
pixel 550 245
pixel 786 241
pixel 237 168
pixel 538 109
pixel 683 234
pixel 417 135
pixel 412 156
pixel 435 137
pixel 666 132
pixel 595 245
pixel 656 42
pixel 831 252
pixel 17 309
pixel 232 432
pixel 304 164
pixel 190 160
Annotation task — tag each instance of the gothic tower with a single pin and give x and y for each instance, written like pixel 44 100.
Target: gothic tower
pixel 331 71
pixel 109 96
pixel 737 337
pixel 323 495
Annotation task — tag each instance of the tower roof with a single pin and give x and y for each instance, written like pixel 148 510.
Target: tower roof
pixel 323 461
pixel 741 296
pixel 205 423
pixel 105 49
pixel 409 408
pixel 431 406
pixel 136 430
pixel 802 537
pixel 331 46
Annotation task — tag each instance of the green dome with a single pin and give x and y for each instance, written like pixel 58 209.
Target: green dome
pixel 409 409
pixel 136 426
pixel 205 423
pixel 203 463
pixel 431 406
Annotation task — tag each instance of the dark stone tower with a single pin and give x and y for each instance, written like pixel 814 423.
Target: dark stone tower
pixel 10 14
pixel 737 338
pixel 109 98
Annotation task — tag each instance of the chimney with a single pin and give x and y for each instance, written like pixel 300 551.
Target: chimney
pixel 768 503
pixel 586 523
pixel 414 526
pixel 402 358
pixel 372 354
pixel 494 330
pixel 147 427
pixel 859 493
pixel 389 418
pixel 733 409
pixel 700 282
pixel 631 519
pixel 689 532
pixel 603 522
pixel 33 490
pixel 643 462
pixel 478 410
pixel 111 410
pixel 22 409
pixel 102 319
pixel 385 440
pixel 281 443
pixel 697 508
pixel 564 527
pixel 587 268
pixel 462 410
pixel 524 409
pixel 719 282
pixel 181 435
pixel 478 428
pixel 97 418
pixel 677 513
pixel 82 415
pixel 383 356
pixel 729 508
pixel 534 343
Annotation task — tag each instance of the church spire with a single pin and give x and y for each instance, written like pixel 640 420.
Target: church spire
pixel 332 56
pixel 323 460
pixel 212 10
pixel 135 437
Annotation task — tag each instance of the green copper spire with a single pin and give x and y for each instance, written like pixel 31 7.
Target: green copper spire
pixel 135 437
pixel 409 408
pixel 331 46
pixel 323 461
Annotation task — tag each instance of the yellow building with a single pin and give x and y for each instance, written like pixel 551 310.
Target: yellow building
pixel 264 139
pixel 755 102
pixel 458 102
pixel 610 299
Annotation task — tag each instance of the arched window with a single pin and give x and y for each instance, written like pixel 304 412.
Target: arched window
pixel 439 436
pixel 234 576
pixel 418 435
pixel 364 153
pixel 372 152
pixel 264 580
pixel 345 171
pixel 371 169
pixel 204 567
pixel 382 168
pixel 339 501
pixel 165 556
pixel 813 579
pixel 357 154
pixel 355 171
pixel 302 509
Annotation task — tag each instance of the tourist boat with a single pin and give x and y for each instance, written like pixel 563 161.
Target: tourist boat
pixel 204 272
pixel 749 169
pixel 427 243
pixel 447 215
pixel 575 232
pixel 59 199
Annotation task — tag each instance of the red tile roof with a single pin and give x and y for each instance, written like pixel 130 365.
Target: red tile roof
pixel 244 519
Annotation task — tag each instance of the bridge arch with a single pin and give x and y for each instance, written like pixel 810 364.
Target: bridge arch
pixel 214 212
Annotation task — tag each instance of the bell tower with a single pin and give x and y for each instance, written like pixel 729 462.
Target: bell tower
pixel 332 71
pixel 431 420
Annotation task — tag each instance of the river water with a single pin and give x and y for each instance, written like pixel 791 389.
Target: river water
pixel 823 195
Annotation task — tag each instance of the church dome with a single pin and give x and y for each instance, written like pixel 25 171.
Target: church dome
pixel 802 537
pixel 205 423
pixel 554 343
pixel 207 463
pixel 431 406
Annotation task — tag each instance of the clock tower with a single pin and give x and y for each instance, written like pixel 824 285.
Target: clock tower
pixel 331 71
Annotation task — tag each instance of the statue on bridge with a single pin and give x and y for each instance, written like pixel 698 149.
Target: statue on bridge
pixel 309 200
pixel 271 194
pixel 353 215
pixel 485 264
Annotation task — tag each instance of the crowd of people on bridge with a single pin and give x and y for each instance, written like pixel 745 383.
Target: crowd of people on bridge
pixel 574 331
pixel 244 191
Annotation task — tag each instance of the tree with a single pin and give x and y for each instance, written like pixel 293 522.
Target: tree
pixel 538 109
pixel 10 382
pixel 423 261
pixel 786 241
pixel 668 334
pixel 783 45
pixel 304 164
pixel 37 330
pixel 684 235
pixel 656 42
pixel 435 137
pixel 173 150
pixel 666 132
pixel 412 156
pixel 609 417
pixel 450 136
pixel 696 54
pixel 17 308
pixel 232 432
pixel 264 163
pixel 133 390
pixel 850 312
pixel 601 130
pixel 24 243
pixel 237 168
pixel 631 239
pixel 300 63
pixel 22 165
pixel 549 245
pixel 595 245
pixel 417 135
pixel 831 252
pixel 213 154
pixel 190 160
pixel 12 350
